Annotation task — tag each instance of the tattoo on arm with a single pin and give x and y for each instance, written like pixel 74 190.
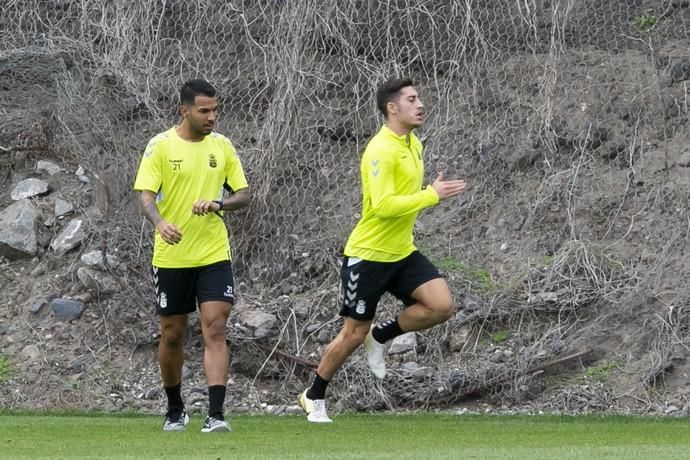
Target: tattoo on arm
pixel 147 199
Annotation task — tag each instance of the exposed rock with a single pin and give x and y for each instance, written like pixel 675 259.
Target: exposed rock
pixel 258 320
pixel 403 343
pixel 36 305
pixel 471 304
pixel 69 238
pixel 66 309
pixel 39 269
pixel 29 353
pixel 680 71
pixel 459 339
pixel 29 188
pixel 186 372
pixel 63 207
pixel 670 410
pixel 17 233
pixel 294 410
pixel 47 166
pixel 76 367
pixel 97 281
pixel 95 259
pixel 301 310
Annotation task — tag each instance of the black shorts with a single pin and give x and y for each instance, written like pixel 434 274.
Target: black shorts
pixel 179 290
pixel 364 282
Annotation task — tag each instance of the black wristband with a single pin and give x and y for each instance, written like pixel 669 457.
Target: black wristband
pixel 219 203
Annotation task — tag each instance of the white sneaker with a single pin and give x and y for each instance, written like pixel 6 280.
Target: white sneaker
pixel 375 355
pixel 175 420
pixel 214 425
pixel 315 409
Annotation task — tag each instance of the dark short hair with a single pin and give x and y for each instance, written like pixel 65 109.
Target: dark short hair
pixel 193 88
pixel 389 92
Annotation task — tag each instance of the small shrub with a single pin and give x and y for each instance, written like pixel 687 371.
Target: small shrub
pixel 645 23
pixel 6 370
pixel 501 336
pixel 600 373
pixel 479 278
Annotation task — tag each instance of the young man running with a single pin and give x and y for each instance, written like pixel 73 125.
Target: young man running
pixel 380 255
pixel 181 180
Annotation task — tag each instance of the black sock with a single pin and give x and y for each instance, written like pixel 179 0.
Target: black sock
pixel 174 397
pixel 317 390
pixel 387 330
pixel 216 399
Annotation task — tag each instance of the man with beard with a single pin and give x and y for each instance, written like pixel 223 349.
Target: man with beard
pixel 182 177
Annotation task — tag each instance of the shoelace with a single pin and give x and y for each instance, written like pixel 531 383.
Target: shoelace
pixel 175 417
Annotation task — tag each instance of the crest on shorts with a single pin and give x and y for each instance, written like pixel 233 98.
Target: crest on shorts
pixel 212 160
pixel 163 301
pixel 361 307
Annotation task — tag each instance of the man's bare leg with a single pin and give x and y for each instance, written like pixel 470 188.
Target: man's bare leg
pixel 434 306
pixel 214 317
pixel 345 343
pixel 170 361
pixel 171 352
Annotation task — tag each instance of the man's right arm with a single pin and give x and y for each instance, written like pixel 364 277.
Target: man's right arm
pixel 147 200
pixel 168 232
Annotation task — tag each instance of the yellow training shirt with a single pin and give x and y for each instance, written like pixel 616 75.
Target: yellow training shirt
pixel 392 172
pixel 181 173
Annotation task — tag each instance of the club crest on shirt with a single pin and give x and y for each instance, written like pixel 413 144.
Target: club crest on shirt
pixel 212 160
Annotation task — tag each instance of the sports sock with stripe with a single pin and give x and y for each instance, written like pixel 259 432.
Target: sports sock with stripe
pixel 387 330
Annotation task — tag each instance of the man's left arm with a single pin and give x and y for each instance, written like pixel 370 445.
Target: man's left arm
pixel 237 200
pixel 235 180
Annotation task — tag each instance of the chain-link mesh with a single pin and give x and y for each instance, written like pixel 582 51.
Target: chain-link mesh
pixel 507 84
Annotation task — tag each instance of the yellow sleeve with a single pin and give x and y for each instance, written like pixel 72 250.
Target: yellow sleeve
pixel 378 171
pixel 234 174
pixel 149 175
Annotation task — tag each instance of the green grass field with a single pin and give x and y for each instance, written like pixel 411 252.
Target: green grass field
pixel 419 436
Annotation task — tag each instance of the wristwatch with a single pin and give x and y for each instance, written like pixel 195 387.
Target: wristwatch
pixel 219 203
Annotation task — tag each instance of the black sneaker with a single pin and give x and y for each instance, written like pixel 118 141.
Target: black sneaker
pixel 213 425
pixel 175 420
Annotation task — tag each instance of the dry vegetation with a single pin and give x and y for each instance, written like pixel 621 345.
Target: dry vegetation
pixel 567 118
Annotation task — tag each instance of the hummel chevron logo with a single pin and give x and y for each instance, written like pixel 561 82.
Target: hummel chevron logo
pixel 354 276
pixel 375 172
pixel 351 295
pixel 351 286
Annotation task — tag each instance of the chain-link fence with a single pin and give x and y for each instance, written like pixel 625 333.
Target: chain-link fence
pixel 508 84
